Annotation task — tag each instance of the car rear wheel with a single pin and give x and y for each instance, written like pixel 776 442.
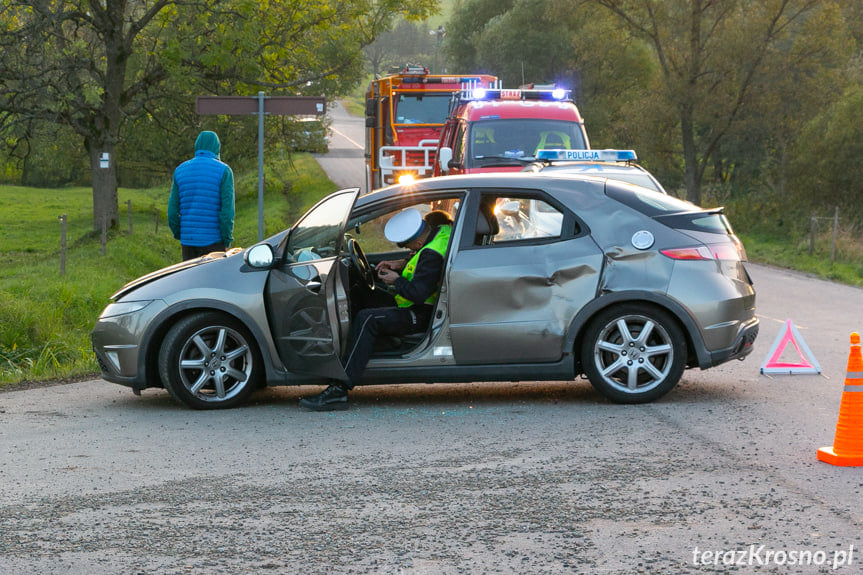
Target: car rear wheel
pixel 209 361
pixel 633 354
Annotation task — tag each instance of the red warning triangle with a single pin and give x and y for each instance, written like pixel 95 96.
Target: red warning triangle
pixel 807 363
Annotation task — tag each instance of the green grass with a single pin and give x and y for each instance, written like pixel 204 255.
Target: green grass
pixel 46 318
pixel 355 102
pixel 847 266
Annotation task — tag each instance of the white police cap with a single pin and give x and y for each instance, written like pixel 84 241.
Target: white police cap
pixel 404 227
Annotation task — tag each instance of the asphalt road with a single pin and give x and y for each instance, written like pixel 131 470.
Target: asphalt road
pixel 343 162
pixel 719 476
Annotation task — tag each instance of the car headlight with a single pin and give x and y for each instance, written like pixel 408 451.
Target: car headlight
pixel 122 308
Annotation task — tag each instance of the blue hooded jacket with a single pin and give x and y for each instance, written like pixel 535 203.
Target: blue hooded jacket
pixel 201 205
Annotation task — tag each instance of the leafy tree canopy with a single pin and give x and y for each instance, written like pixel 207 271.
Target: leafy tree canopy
pixel 96 66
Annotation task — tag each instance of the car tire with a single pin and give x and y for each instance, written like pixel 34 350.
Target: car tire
pixel 208 360
pixel 633 354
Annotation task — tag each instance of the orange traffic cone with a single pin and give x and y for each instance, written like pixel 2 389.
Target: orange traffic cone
pixel 847 448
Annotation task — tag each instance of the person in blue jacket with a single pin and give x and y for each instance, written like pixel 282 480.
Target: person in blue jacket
pixel 201 206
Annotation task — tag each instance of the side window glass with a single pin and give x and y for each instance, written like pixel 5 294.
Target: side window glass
pixel 369 230
pixel 316 236
pixel 458 145
pixel 512 219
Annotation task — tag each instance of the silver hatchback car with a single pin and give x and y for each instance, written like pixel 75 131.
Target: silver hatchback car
pixel 547 277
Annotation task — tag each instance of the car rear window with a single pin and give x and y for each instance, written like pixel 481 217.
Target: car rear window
pixel 713 221
pixel 671 211
pixel 648 202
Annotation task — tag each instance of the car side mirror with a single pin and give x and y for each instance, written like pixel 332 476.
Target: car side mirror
pixel 260 256
pixel 444 157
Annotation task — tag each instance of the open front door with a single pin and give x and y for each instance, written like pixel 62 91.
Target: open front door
pixel 306 293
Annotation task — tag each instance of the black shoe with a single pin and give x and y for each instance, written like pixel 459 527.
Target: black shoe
pixel 333 398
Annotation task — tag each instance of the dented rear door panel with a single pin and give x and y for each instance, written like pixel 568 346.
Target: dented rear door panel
pixel 513 303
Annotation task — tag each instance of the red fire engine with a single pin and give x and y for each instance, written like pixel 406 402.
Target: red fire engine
pixel 502 130
pixel 405 114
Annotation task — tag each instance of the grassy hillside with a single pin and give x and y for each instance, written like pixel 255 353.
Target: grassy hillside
pixel 46 318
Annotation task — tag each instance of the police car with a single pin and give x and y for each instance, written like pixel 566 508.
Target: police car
pixel 613 164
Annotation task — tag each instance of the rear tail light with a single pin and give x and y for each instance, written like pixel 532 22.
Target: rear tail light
pixel 699 253
pixel 725 252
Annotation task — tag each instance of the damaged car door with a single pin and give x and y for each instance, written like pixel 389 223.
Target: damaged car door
pixel 307 295
pixel 518 281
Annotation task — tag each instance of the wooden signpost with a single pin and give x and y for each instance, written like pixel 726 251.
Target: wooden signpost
pixel 261 105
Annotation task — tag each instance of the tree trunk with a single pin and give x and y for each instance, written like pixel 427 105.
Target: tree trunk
pixel 690 157
pixel 105 202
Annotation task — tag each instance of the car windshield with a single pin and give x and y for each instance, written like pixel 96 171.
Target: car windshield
pixel 497 142
pixel 421 108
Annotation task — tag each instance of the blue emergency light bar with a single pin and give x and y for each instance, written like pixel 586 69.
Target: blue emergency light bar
pixel 557 94
pixel 588 155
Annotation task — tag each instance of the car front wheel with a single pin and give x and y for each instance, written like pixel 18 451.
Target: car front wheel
pixel 633 354
pixel 209 361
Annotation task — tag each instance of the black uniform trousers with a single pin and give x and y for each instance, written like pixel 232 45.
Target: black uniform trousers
pixel 192 252
pixel 370 323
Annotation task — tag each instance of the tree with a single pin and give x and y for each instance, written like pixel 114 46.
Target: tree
pixel 406 43
pixel 464 29
pixel 808 74
pixel 526 44
pixel 710 54
pixel 95 65
pixel 826 167
pixel 611 73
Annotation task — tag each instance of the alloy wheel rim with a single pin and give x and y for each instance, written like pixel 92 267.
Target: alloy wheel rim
pixel 215 364
pixel 634 354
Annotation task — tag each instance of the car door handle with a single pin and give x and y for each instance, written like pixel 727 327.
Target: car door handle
pixel 314 285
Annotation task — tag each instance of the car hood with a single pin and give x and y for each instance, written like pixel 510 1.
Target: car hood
pixel 153 276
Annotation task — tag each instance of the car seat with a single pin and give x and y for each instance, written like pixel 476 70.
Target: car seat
pixel 487 225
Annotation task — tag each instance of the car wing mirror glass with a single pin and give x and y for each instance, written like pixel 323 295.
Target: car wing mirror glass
pixel 260 256
pixel 444 158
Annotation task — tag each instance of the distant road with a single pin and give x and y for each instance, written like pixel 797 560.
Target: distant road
pixel 344 163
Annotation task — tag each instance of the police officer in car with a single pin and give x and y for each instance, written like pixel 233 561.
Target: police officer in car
pixel 414 282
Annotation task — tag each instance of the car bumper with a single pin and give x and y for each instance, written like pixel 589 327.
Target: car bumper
pixel 743 344
pixel 117 345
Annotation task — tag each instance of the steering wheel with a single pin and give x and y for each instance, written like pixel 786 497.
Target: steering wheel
pixel 361 264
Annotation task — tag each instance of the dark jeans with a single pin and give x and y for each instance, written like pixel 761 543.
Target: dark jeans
pixel 387 321
pixel 192 252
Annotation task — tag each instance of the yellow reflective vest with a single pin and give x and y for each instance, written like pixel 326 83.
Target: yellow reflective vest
pixel 438 244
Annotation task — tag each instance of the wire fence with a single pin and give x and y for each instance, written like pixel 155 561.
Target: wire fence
pixel 103 236
pixel 812 228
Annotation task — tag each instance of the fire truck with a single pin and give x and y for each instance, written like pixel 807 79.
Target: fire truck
pixel 497 130
pixel 405 114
